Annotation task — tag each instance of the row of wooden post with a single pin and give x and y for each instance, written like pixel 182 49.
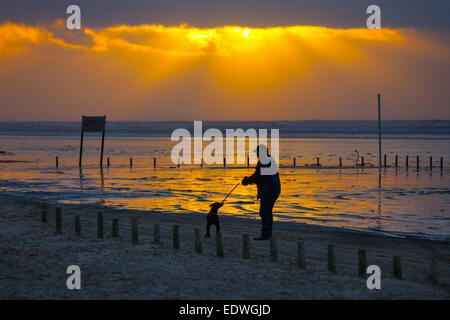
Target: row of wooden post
pixel 385 162
pixel 301 261
pixel 108 163
pixel 316 164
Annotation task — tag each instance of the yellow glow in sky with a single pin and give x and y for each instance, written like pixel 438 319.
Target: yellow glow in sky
pixel 228 71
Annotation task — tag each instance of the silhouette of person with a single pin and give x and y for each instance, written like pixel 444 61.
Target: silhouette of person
pixel 269 189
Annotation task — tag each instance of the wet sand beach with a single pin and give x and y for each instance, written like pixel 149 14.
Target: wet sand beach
pixel 34 259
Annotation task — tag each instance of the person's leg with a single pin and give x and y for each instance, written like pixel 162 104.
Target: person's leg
pixel 265 211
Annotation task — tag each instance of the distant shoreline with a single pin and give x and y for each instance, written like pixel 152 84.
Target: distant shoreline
pixel 326 129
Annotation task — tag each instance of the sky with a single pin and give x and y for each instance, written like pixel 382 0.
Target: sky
pixel 224 60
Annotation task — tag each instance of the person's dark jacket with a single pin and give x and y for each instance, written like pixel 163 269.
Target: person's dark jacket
pixel 267 184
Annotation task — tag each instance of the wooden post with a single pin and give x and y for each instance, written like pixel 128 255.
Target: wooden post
pixel 219 245
pixel 115 228
pixel 442 163
pixel 434 271
pixel 294 162
pixel 107 162
pixel 77 226
pixel 431 163
pixel 44 216
pixel 273 249
pixel 248 162
pixel 201 163
pixel 396 161
pixel 224 162
pixel 57 162
pixel 417 163
pixel 331 259
pixel 245 246
pixel 385 160
pixel 198 243
pixel 340 162
pixel 100 225
pixel 379 131
pixel 156 234
pixel 301 254
pixel 134 231
pixel 407 162
pixel 58 218
pixel 103 146
pixel 81 147
pixel 318 161
pixel 362 263
pixel 176 237
pixel 397 264
pixel 362 162
pixel 131 162
pixel 154 162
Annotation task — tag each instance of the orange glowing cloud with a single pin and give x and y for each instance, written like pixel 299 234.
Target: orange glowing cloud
pixel 229 72
pixel 247 58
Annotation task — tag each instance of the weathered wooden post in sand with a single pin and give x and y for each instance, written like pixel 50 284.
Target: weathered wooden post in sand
pixel 115 228
pixel 92 124
pixel 397 266
pixel 273 250
pixel 224 162
pixel 245 246
pixel 340 162
pixel 331 259
pixel 197 242
pixel 434 270
pixel 176 237
pixel 442 163
pixel 154 162
pixel 385 160
pixel 58 219
pixel 301 254
pixel 219 245
pixel 407 163
pixel 156 234
pixel 417 163
pixel 362 263
pixel 362 162
pixel 134 231
pixel 131 162
pixel 431 163
pixel 396 161
pixel 77 226
pixel 57 162
pixel 293 162
pixel 44 216
pixel 100 225
pixel 107 162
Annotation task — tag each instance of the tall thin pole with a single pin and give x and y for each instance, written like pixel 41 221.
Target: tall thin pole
pixel 103 147
pixel 81 148
pixel 379 131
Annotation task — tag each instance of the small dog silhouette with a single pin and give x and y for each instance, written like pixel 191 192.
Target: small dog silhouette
pixel 213 218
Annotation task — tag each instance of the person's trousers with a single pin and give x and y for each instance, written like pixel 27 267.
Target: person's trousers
pixel 265 212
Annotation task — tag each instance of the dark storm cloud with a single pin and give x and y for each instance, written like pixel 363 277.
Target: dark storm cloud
pixel 253 13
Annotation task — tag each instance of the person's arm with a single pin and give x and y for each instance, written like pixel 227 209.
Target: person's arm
pixel 254 177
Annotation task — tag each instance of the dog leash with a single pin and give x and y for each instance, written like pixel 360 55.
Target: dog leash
pixel 230 192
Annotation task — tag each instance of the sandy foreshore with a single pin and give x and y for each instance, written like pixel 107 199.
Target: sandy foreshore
pixel 33 259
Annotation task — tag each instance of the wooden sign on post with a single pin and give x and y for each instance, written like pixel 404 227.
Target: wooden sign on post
pixel 92 124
